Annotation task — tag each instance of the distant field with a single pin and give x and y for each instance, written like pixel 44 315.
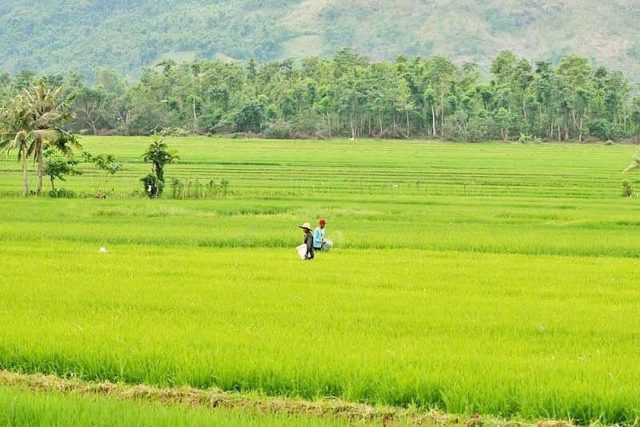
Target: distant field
pixel 498 279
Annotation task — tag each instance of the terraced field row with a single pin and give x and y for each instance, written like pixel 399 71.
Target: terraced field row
pixel 370 168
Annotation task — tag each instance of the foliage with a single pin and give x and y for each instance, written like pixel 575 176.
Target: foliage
pixel 197 190
pixel 635 164
pixel 106 163
pixel 528 139
pixel 58 165
pixel 32 122
pixel 159 155
pixel 627 188
pixel 129 36
pixel 62 193
pixel 173 131
pixel 348 95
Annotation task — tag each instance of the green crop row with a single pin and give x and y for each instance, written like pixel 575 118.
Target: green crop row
pixel 19 408
pixel 362 168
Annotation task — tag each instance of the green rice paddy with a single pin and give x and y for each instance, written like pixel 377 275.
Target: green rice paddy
pixel 47 409
pixel 498 279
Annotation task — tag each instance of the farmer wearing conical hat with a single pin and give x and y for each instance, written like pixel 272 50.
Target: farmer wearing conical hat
pixel 308 241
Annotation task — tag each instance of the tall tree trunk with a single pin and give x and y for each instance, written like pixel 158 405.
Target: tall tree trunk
pixel 581 138
pixel 433 120
pixel 540 112
pixel 559 134
pixel 25 174
pixel 195 117
pixel 353 129
pixel 407 124
pixel 40 153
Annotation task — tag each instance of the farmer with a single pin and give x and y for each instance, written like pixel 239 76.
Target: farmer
pixel 318 235
pixel 308 241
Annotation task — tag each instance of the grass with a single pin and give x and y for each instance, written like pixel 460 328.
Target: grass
pixel 257 408
pixel 20 407
pixel 519 304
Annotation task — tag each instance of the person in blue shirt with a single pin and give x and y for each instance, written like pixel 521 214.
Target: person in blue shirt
pixel 318 235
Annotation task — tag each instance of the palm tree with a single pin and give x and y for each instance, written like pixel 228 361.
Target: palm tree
pixel 33 122
pixel 48 110
pixel 15 134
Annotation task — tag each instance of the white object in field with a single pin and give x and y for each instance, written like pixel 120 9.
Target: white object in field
pixel 328 244
pixel 102 250
pixel 302 251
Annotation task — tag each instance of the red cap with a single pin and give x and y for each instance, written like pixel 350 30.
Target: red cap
pixel 323 222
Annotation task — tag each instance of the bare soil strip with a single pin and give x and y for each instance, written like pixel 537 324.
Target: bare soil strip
pixel 213 398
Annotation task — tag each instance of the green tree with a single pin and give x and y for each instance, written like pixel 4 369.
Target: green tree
pixel 34 121
pixel 90 106
pixel 159 155
pixel 574 74
pixel 108 164
pixel 58 165
pixel 16 134
pixel 250 117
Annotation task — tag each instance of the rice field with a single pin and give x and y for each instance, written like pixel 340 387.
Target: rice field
pixel 27 408
pixel 493 279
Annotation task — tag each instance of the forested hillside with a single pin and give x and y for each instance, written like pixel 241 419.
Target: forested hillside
pixel 83 35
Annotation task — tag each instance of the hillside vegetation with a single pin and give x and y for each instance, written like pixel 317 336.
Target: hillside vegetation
pixel 81 35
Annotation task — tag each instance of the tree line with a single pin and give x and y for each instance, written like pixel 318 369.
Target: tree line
pixel 349 95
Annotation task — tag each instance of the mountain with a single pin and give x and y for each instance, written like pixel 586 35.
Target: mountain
pixel 83 35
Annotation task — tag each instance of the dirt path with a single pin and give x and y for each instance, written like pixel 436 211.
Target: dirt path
pixel 212 398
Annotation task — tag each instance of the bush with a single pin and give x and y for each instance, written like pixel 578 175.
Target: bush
pixel 197 190
pixel 388 134
pixel 279 129
pixel 62 193
pixel 528 139
pixel 152 186
pixel 208 122
pixel 627 189
pixel 173 131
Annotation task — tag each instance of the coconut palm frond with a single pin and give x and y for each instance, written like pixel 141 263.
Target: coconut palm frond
pixel 65 141
pixel 35 146
pixel 635 164
pixel 4 144
pixel 46 119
